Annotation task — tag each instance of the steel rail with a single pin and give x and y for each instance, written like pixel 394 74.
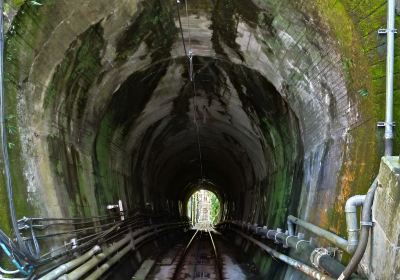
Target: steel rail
pixel 216 255
pixel 183 256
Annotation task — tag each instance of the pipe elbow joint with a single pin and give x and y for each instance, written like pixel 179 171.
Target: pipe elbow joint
pixel 351 248
pixel 353 202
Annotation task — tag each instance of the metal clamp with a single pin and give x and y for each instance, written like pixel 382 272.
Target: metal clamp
pixel 382 31
pixel 276 234
pixel 118 206
pixel 268 233
pixel 369 224
pixel 316 255
pixel 286 240
pixel 383 124
pixel 300 242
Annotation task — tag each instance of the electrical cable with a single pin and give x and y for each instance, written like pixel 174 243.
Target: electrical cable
pixel 180 27
pixel 30 256
pixel 189 55
pixel 95 240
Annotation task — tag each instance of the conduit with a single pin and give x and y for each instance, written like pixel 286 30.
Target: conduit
pixel 366 225
pixel 64 268
pixel 288 260
pixel 85 263
pixel 337 240
pixel 351 219
pixel 390 32
pixel 349 245
pixel 106 266
pixel 89 265
pixel 318 257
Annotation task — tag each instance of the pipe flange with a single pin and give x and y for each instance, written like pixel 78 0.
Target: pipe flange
pixel 316 256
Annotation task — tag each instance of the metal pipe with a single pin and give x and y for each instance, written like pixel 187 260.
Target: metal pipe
pixel 290 228
pixel 366 225
pixel 83 269
pixel 308 253
pixel 337 240
pixel 305 251
pixel 64 268
pixel 351 219
pixel 138 236
pixel 107 265
pixel 390 32
pixel 286 259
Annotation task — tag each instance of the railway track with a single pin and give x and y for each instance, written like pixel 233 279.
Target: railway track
pixel 199 259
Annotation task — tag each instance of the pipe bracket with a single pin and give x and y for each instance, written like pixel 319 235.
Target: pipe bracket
pixel 317 254
pixel 385 31
pixel 369 224
pixel 300 242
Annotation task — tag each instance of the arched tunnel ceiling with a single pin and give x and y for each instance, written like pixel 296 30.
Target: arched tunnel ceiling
pixel 107 109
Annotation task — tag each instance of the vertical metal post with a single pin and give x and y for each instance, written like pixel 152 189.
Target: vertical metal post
pixel 389 78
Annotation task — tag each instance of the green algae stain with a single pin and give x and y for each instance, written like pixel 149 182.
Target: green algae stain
pixel 154 26
pixel 78 71
pixel 105 190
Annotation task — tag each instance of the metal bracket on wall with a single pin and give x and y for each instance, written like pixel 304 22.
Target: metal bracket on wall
pixel 383 124
pixel 382 31
pixel 118 206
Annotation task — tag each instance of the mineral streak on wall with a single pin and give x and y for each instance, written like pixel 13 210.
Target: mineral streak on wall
pixel 100 107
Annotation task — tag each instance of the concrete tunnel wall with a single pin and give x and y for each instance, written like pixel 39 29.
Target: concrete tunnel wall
pixel 288 96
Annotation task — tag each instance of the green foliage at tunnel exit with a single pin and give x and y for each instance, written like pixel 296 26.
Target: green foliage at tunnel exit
pixel 215 208
pixel 203 207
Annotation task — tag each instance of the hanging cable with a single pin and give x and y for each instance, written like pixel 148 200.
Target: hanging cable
pixel 189 54
pixel 180 27
pixel 188 25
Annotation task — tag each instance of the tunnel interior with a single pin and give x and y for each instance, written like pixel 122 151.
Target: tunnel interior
pixel 110 107
pixel 160 132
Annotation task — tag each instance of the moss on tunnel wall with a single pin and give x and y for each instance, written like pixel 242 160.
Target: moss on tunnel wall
pixel 13 66
pixel 354 25
pixel 64 101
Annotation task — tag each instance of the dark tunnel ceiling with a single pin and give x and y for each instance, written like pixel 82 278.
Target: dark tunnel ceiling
pixel 235 107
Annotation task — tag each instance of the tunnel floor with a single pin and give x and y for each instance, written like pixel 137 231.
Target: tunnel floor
pixel 198 262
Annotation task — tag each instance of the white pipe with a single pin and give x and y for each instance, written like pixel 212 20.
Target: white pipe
pixel 351 219
pixel 390 32
pixel 349 245
pixel 64 268
pixel 334 238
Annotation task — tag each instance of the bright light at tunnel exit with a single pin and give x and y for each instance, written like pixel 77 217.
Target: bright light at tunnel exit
pixel 203 208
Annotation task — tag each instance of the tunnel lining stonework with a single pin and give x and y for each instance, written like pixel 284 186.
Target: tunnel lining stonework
pixel 288 96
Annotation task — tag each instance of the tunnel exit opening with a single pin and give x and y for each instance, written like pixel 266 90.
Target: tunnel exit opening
pixel 203 208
